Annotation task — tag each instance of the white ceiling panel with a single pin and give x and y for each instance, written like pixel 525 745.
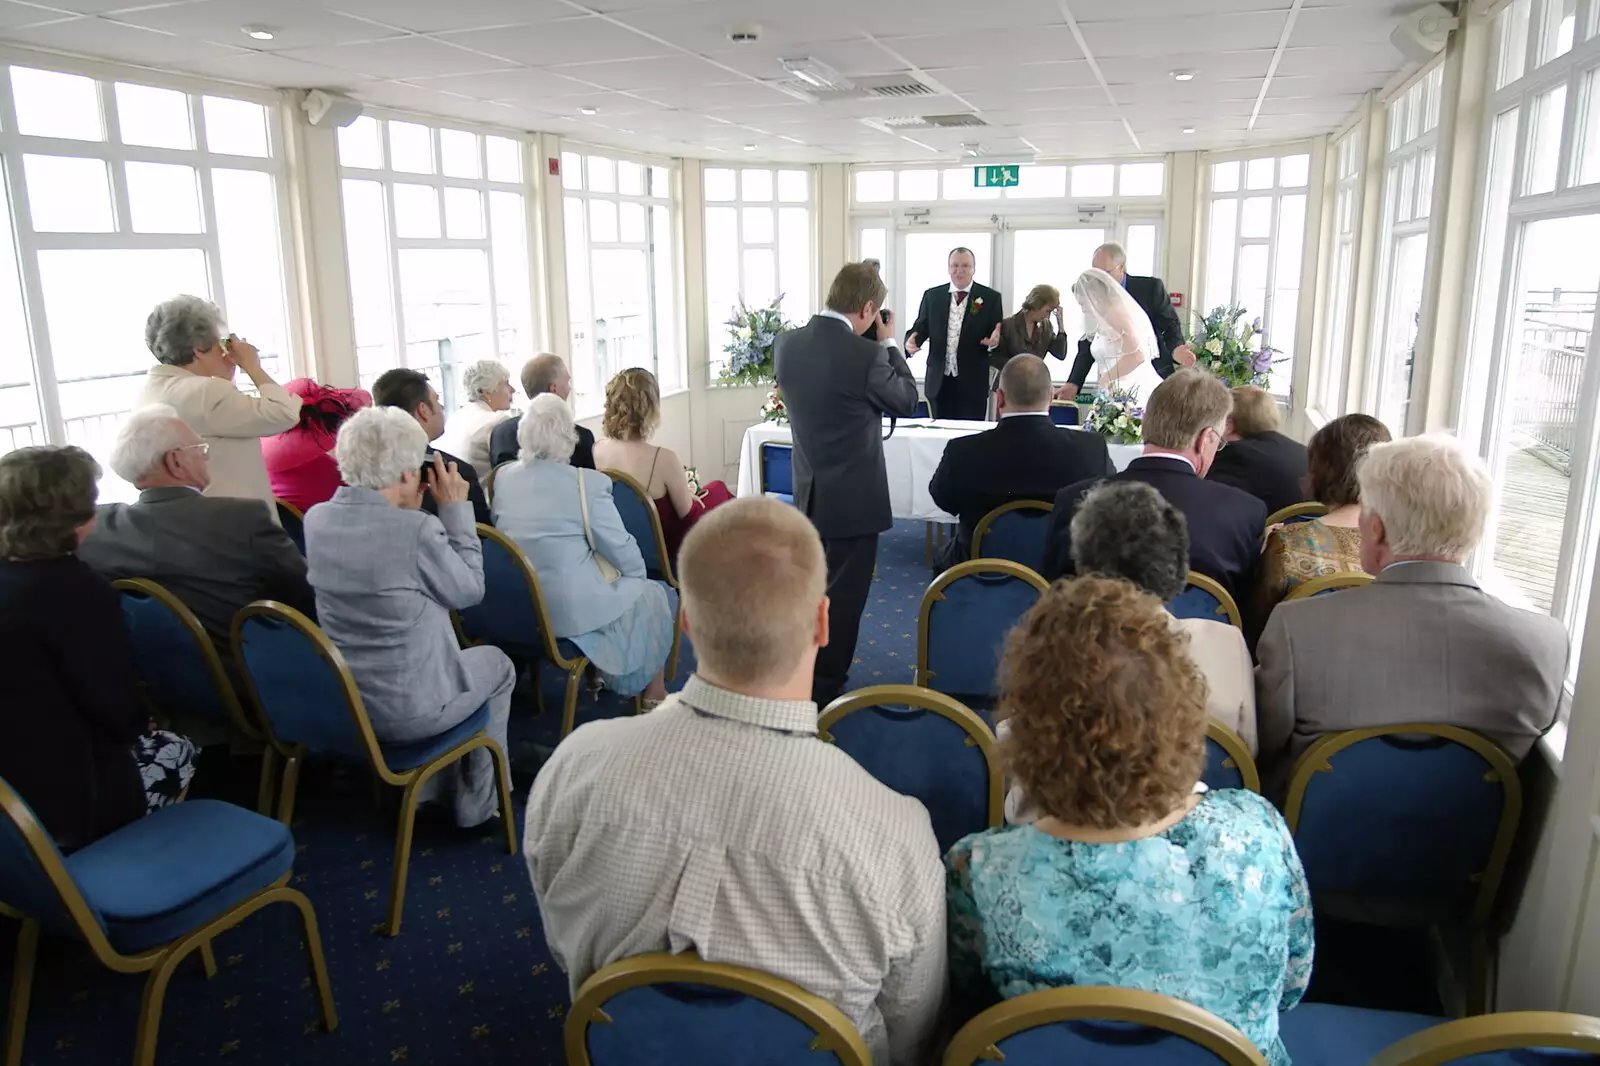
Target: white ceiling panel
pixel 268 68
pixel 1022 77
pixel 585 39
pixel 852 58
pixel 296 24
pixel 1182 34
pixel 102 37
pixel 515 83
pixel 401 57
pixel 1207 67
pixel 429 16
pixel 12 15
pixel 1091 11
pixel 1373 59
pixel 632 74
pixel 1041 45
pixel 713 95
pixel 1342 26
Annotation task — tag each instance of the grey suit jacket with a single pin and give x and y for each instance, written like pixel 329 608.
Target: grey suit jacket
pixel 1422 643
pixel 837 387
pixel 215 553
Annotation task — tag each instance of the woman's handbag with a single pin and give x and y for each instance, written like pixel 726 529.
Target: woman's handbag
pixel 608 570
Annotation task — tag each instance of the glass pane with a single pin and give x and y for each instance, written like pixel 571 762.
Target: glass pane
pixel 874 186
pixel 505 158
pixel 631 217
pixel 622 334
pixel 602 174
pixel 1037 256
pixel 1258 173
pixel 246 203
pixel 366 243
pixel 1219 253
pixel 1512 27
pixel 163 198
pixel 69 195
pixel 410 147
pixel 660 182
pixel 669 364
pixel 1586 152
pixel 238 127
pixel 794 261
pixel 1094 179
pixel 1405 189
pixel 1225 177
pixel 1414 112
pixel 1397 121
pixel 416 210
pixel 580 320
pixel 794 186
pixel 360 143
pixel 1294 170
pixel 508 232
pixel 20 421
pixel 1435 98
pixel 875 244
pixel 1400 330
pixel 1039 183
pixel 1483 345
pixel 50 104
pixel 756 184
pixel 760 276
pixel 444 298
pixel 630 178
pixel 463 214
pixel 758 225
pixel 722 277
pixel 1291 240
pixel 1424 185
pixel 1561 22
pixel 1140 245
pixel 1256 219
pixel 1142 179
pixel 1334 352
pixel 155 117
pixel 571 171
pixel 919 185
pixel 602 221
pixel 458 154
pixel 721 185
pixel 1544 141
pixel 960 184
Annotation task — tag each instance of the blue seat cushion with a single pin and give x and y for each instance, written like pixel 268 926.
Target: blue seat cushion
pixel 1321 1034
pixel 402 757
pixel 782 497
pixel 170 873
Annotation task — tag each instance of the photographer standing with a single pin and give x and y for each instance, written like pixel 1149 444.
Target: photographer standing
pixel 837 386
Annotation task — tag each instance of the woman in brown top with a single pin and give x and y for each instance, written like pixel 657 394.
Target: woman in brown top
pixel 1029 331
pixel 1297 552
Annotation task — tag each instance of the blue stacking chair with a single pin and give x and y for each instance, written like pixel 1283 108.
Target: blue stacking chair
pixel 1515 1038
pixel 293 521
pixel 1228 761
pixel 309 702
pixel 1326 586
pixel 1063 412
pixel 1407 826
pixel 962 626
pixel 643 522
pixel 660 1009
pixel 146 896
pixel 1018 531
pixel 511 616
pixel 1205 598
pixel 925 745
pixel 777 470
pixel 180 671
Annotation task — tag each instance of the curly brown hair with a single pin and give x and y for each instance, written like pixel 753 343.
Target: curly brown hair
pixel 1333 455
pixel 633 405
pixel 1111 735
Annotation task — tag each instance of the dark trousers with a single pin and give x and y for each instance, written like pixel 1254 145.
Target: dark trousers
pixel 960 398
pixel 850 564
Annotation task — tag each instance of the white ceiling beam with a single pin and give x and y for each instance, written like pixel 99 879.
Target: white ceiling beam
pixel 1277 57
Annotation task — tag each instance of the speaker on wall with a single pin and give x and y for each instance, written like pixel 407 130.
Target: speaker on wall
pixel 329 109
pixel 1423 33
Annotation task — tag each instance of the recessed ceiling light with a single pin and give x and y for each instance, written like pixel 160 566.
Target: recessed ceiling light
pixel 1183 75
pixel 1188 129
pixel 749 147
pixel 588 110
pixel 258 33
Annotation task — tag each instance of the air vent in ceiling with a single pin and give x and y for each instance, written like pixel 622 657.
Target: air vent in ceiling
pixel 895 85
pixel 875 87
pixel 953 121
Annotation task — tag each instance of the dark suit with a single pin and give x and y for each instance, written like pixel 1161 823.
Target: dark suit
pixel 1225 523
pixel 967 394
pixel 1269 466
pixel 1150 294
pixel 503 445
pixel 1025 457
pixel 480 502
pixel 837 387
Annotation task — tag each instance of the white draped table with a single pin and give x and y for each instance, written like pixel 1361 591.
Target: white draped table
pixel 910 457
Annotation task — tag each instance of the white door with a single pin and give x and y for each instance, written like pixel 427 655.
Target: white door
pixel 1052 256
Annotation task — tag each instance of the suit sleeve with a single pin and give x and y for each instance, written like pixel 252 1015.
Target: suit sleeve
pixel 611 537
pixel 451 558
pixel 890 386
pixel 920 326
pixel 1081 365
pixel 282 567
pixel 1169 330
pixel 1275 690
pixel 942 487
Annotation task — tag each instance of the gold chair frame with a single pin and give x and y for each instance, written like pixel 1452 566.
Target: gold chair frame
pixel 411 780
pixel 1214 587
pixel 1328 583
pixel 979 735
pixel 159 962
pixel 1493 1032
pixel 988 520
pixel 978 1040
pixel 663 557
pixel 291 508
pixel 207 650
pixel 1238 753
pixel 834 1031
pixel 1308 509
pixel 935 593
pixel 488 482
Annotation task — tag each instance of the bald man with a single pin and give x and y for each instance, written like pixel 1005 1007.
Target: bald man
pixel 543 373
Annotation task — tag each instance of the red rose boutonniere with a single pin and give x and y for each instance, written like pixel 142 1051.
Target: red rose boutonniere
pixel 975 305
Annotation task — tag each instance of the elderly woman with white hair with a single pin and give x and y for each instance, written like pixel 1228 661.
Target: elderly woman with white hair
pixel 196 358
pixel 386 576
pixel 590 569
pixel 487 386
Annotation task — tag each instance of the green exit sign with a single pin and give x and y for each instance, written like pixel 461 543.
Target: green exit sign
pixel 996 177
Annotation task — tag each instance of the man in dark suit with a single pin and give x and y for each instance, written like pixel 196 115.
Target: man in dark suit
pixel 1259 459
pixel 837 386
pixel 409 390
pixel 1025 457
pixel 541 374
pixel 958 324
pixel 1148 293
pixel 1183 424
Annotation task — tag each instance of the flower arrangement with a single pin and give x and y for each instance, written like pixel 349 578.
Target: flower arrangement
pixel 1117 416
pixel 773 410
pixel 751 335
pixel 975 305
pixel 1233 349
pixel 693 477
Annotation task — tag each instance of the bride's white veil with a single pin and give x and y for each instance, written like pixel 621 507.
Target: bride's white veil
pixel 1114 315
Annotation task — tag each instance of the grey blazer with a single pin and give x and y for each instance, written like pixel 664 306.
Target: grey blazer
pixel 1422 643
pixel 837 387
pixel 215 553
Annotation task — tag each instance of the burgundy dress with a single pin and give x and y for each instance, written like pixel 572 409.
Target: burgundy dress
pixel 674 528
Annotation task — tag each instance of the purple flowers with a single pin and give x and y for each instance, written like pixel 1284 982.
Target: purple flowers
pixel 1261 362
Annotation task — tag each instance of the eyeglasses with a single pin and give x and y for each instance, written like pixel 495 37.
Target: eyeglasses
pixel 205 448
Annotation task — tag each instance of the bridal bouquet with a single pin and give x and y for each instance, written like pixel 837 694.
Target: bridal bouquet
pixel 1233 349
pixel 751 334
pixel 773 410
pixel 1117 416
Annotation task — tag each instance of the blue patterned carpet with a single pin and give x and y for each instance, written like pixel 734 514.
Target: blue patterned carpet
pixel 467 980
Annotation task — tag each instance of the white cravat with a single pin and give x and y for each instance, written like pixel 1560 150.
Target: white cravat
pixel 953 331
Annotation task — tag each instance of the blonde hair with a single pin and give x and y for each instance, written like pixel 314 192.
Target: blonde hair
pixel 753 577
pixel 1183 406
pixel 1254 411
pixel 1431 492
pixel 1042 296
pixel 633 405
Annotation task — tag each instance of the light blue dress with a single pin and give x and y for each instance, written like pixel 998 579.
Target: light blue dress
pixel 1213 911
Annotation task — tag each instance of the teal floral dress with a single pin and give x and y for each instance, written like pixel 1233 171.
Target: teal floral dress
pixel 1213 911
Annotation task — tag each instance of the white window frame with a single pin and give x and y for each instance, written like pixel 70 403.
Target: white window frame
pixel 1346 171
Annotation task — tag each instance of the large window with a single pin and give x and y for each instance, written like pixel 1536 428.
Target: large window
pixel 758 245
pixel 121 195
pixel 622 292
pixel 1041 181
pixel 1255 236
pixel 1328 389
pixel 436 231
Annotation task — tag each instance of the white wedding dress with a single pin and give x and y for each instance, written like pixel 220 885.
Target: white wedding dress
pixel 1141 382
pixel 1121 329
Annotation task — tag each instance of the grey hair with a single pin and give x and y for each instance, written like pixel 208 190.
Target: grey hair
pixel 1114 252
pixel 1432 493
pixel 181 326
pixel 46 494
pixel 485 375
pixel 377 445
pixel 144 440
pixel 547 430
pixel 1127 529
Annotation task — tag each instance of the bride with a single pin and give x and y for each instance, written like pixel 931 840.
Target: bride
pixel 1124 341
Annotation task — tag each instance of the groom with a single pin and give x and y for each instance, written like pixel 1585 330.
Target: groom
pixel 1148 293
pixel 960 323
